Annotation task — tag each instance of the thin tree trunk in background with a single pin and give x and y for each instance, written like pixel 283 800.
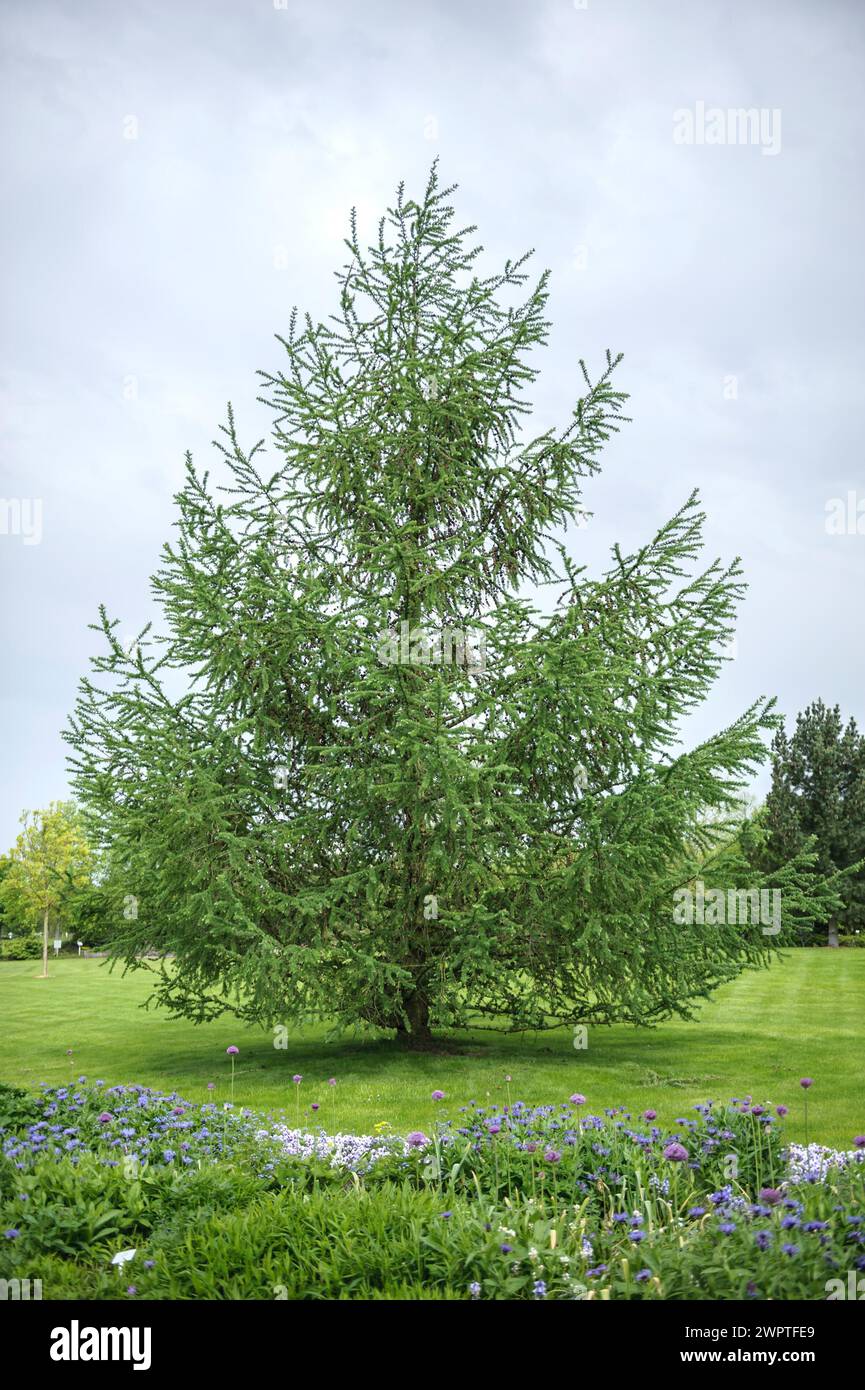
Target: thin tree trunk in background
pixel 44 975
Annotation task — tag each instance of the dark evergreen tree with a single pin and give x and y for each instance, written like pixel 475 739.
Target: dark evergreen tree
pixel 359 774
pixel 818 794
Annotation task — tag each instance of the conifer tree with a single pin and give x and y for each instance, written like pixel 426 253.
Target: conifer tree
pixel 360 773
pixel 818 795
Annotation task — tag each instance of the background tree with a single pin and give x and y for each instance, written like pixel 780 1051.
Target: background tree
pixel 359 775
pixel 818 793
pixel 50 861
pixel 7 921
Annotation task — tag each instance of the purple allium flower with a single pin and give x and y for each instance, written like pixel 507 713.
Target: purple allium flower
pixel 105 1118
pixel 438 1095
pixel 676 1153
pixel 314 1105
pixel 806 1082
pixel 297 1079
pixel 770 1195
pixel 232 1051
pixel 331 1081
pixel 417 1139
pixel 650 1114
pixel 211 1086
pixel 577 1099
pixel 642 1275
pixel 859 1141
pixel 552 1156
pixel 494 1128
pixel 781 1110
pixel 131 1290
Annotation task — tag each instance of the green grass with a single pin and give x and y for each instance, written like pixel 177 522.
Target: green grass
pixel 759 1035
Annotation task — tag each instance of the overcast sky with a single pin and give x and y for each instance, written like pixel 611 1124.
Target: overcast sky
pixel 176 175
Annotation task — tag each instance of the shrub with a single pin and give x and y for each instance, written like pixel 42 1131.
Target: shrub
pixel 21 948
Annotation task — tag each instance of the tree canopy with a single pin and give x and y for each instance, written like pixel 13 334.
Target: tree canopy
pixel 360 772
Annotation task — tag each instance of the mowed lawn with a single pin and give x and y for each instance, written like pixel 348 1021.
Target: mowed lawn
pixel 803 1017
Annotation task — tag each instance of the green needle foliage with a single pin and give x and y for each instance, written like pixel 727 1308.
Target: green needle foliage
pixel 818 795
pixel 361 776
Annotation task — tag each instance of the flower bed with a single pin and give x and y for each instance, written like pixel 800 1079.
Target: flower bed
pixel 510 1202
pixel 126 1122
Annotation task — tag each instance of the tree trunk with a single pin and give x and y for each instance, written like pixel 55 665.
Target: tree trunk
pixel 833 934
pixel 44 975
pixel 417 1037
